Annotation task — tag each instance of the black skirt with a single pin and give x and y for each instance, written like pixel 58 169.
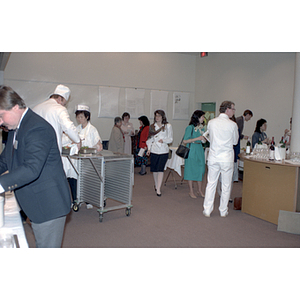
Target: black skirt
pixel 158 162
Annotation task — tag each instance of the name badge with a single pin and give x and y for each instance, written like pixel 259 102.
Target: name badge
pixel 16 144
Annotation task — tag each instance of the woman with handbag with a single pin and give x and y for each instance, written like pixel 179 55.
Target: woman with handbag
pixel 160 135
pixel 194 165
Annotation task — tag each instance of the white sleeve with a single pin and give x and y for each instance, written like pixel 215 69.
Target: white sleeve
pixel 236 135
pixel 68 126
pixel 169 138
pixel 95 136
pixel 149 143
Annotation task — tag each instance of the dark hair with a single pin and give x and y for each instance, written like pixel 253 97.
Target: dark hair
pixel 197 114
pixel 259 123
pixel 125 114
pixel 117 120
pixel 56 96
pixel 162 113
pixel 87 114
pixel 248 112
pixel 144 120
pixel 224 105
pixel 9 98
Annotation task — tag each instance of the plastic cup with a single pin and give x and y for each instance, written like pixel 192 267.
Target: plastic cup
pixel 6 241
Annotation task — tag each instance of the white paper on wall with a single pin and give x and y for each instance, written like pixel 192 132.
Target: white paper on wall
pixel 134 102
pixel 181 106
pixel 108 102
pixel 158 100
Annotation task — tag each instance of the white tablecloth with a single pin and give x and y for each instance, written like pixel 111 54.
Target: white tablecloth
pixel 12 220
pixel 175 162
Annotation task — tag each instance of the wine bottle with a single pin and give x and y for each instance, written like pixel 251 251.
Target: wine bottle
pixel 248 147
pixel 282 143
pixel 259 141
pixel 272 150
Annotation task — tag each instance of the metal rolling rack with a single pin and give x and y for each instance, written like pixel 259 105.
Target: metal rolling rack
pixel 104 176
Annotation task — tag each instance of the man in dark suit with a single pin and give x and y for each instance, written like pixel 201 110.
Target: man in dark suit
pixel 247 115
pixel 35 168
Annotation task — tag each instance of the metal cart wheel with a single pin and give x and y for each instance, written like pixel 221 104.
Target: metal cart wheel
pixel 75 207
pixel 128 212
pixel 100 218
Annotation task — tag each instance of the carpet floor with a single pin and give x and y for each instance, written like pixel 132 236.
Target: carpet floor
pixel 173 220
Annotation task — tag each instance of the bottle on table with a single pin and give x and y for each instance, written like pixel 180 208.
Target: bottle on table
pixel 248 147
pixel 259 141
pixel 282 143
pixel 272 150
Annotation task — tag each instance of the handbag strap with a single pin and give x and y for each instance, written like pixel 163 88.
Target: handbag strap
pixel 188 143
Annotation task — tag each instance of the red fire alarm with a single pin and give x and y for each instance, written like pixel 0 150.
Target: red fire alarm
pixel 203 54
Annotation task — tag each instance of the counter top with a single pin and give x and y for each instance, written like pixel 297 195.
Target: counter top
pixel 285 162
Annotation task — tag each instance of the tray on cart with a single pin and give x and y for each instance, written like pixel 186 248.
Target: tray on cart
pixel 88 151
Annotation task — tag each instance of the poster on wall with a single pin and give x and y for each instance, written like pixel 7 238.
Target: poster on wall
pixel 134 102
pixel 108 102
pixel 158 100
pixel 181 103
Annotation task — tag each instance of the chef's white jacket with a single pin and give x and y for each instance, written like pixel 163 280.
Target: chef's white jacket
pixel 223 135
pixel 58 116
pixel 89 138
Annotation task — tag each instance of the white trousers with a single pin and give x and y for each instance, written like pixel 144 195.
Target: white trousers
pixel 214 171
pixel 235 176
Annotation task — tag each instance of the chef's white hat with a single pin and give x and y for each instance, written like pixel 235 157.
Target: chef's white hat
pixel 82 107
pixel 63 91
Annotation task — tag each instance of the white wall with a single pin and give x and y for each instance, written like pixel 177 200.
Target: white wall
pixel 35 75
pixel 262 82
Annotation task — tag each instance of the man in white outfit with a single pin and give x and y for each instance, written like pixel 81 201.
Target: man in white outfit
pixel 223 135
pixel 54 111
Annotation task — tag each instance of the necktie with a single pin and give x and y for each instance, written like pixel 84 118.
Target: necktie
pixel 15 141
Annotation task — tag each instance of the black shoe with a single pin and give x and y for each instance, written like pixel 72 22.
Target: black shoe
pixel 142 173
pixel 158 194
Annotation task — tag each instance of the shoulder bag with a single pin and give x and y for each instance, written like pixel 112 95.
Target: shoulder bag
pixel 182 150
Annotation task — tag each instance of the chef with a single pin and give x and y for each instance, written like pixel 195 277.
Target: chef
pixel 54 111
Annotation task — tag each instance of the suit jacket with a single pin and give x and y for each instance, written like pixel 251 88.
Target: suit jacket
pixel 240 123
pixel 116 140
pixel 35 168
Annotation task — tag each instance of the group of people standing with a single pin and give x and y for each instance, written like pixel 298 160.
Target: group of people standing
pixel 153 142
pixel 39 179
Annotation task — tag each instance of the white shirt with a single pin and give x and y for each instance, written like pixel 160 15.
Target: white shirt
pixel 223 135
pixel 167 136
pixel 58 116
pixel 89 135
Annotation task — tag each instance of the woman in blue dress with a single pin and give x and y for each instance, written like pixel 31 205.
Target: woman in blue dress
pixel 194 166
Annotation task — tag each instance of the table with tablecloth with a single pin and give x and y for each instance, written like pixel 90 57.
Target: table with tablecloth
pixel 12 222
pixel 174 164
